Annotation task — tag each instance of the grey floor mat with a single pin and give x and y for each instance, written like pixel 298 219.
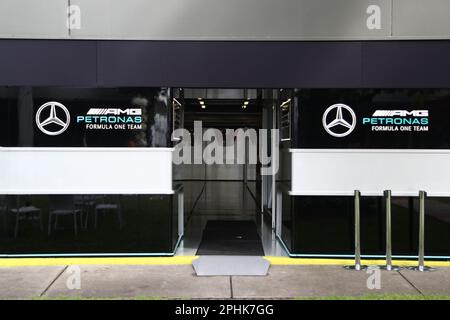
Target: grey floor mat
pixel 222 237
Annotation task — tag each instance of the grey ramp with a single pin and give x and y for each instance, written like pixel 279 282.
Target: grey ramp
pixel 231 266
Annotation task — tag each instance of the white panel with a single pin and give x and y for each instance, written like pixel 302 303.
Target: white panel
pixel 86 171
pixel 340 172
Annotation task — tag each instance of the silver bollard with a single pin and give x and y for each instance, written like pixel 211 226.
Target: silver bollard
pixel 357 231
pixel 422 195
pixel 388 207
pixel 357 265
pixel 387 199
pixel 421 256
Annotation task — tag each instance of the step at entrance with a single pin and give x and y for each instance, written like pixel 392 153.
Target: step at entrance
pixel 231 266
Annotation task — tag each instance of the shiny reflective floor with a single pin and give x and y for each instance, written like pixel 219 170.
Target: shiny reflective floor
pixel 223 200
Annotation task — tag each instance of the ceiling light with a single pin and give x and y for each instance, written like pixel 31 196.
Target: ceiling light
pixel 246 102
pixel 202 102
pixel 203 106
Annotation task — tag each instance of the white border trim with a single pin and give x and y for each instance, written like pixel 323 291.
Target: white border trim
pixel 367 194
pixel 85 149
pixel 419 151
pixel 87 191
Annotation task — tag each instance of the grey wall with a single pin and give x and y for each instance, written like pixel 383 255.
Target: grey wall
pixel 224 20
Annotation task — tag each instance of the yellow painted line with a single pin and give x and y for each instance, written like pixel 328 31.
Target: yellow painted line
pixel 345 262
pixel 24 262
pixel 187 260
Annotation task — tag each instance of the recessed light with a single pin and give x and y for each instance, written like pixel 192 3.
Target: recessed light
pixel 246 102
pixel 203 106
pixel 202 102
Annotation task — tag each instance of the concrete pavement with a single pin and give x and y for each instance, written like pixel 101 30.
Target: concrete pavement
pixel 179 281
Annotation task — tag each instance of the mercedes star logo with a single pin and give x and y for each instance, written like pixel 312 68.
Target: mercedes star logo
pixel 343 122
pixel 53 124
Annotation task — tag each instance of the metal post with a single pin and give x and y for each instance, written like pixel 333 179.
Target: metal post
pixel 421 257
pixel 181 212
pixel 422 195
pixel 245 168
pixel 357 266
pixel 278 212
pixel 357 232
pixel 387 198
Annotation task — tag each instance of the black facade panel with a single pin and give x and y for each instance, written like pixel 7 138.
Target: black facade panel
pixel 132 63
pixel 406 64
pixel 48 62
pixel 310 64
pixel 325 225
pixel 229 64
pixel 133 224
pixel 424 127
pixel 144 121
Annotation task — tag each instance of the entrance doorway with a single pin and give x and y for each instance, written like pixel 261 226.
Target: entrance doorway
pixel 223 200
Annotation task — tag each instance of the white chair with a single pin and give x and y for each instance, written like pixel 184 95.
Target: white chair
pixel 86 203
pixel 3 211
pixel 106 207
pixel 22 213
pixel 62 205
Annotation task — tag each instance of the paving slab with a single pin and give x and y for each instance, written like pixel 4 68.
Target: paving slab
pixel 316 281
pixel 26 282
pixel 430 283
pixel 174 281
pixel 180 281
